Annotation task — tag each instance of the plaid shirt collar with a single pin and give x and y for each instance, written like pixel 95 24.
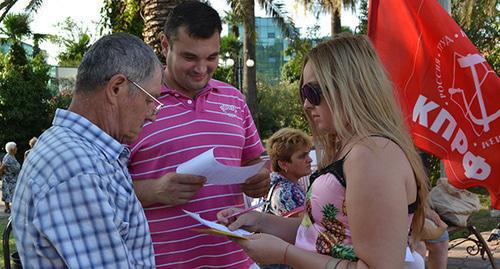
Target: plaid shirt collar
pixel 111 148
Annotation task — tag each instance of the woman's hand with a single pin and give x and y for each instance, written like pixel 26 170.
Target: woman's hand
pixel 432 215
pixel 264 248
pixel 249 221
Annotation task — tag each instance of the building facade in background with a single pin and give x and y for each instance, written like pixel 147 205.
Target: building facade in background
pixel 270 47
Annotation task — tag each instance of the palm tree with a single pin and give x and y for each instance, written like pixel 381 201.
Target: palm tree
pixel 16 27
pixel 334 8
pixel 155 13
pixel 245 9
pixel 234 21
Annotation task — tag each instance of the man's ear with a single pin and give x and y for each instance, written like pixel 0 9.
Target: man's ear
pixel 117 86
pixel 164 45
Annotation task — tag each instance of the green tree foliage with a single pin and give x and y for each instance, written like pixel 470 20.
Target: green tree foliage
pixel 15 27
pixel 122 16
pixel 297 49
pixel 333 7
pixel 75 41
pixel 24 93
pixel 270 62
pixel 279 106
pixel 245 9
pixel 229 49
pixel 480 20
pixel 224 74
pixel 362 28
pixel 61 100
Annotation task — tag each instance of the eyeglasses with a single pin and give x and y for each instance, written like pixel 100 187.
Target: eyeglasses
pixel 160 104
pixel 312 93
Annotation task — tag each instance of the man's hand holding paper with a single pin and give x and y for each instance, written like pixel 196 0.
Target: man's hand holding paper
pixel 170 189
pixel 206 165
pixel 258 185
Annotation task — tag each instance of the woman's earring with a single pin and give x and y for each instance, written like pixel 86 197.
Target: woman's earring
pixel 286 170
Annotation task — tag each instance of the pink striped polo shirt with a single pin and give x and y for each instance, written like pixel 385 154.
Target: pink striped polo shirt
pixel 185 128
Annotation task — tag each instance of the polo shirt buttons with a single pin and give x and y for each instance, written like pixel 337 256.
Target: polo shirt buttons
pixel 189 101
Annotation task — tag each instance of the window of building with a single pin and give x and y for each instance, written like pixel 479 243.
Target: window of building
pixel 271 35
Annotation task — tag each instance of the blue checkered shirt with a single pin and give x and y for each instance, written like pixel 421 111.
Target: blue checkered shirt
pixel 75 206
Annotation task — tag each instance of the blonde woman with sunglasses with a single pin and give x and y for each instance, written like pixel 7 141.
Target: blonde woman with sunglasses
pixel 365 205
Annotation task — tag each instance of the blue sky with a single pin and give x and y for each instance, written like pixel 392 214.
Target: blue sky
pixel 87 12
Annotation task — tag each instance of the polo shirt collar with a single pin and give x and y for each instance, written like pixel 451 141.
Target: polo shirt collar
pixel 209 87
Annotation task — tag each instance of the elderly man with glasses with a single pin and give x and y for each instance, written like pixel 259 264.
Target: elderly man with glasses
pixel 75 205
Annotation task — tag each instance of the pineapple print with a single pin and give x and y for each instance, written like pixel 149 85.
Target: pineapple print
pixel 344 208
pixel 325 243
pixel 307 220
pixel 341 251
pixel 331 223
pixel 334 230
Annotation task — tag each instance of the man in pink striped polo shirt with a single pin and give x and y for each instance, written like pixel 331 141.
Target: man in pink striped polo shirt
pixel 199 114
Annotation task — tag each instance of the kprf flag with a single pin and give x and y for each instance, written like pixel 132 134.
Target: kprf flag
pixel 449 94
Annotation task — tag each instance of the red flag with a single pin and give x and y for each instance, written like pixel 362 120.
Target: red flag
pixel 449 94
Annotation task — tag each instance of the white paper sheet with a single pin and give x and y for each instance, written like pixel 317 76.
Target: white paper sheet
pixel 409 255
pixel 206 165
pixel 217 226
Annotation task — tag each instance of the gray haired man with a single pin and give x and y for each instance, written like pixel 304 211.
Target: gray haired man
pixel 75 205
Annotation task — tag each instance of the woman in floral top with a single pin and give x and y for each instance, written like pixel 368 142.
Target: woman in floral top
pixel 365 206
pixel 288 150
pixel 10 170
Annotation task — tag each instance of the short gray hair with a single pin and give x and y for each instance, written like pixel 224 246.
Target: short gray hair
pixel 118 53
pixel 10 146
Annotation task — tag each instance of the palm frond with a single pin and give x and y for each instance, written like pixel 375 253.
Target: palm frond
pixel 16 26
pixel 34 5
pixel 280 16
pixel 5 7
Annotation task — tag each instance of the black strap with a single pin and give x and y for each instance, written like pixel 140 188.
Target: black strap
pixel 412 208
pixel 337 169
pixel 267 205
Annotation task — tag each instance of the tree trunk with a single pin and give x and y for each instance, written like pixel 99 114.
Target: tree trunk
pixel 335 21
pixel 235 29
pixel 155 14
pixel 249 73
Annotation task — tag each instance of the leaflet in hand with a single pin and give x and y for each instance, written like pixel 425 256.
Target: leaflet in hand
pixel 206 165
pixel 216 228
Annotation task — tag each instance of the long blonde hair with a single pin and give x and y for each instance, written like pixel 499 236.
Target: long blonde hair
pixel 361 101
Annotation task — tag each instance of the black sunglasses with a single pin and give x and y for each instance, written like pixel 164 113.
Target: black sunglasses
pixel 311 92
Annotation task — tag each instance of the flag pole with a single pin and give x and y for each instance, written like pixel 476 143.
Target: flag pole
pixel 446 4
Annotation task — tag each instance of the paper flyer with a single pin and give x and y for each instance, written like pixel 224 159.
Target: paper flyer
pixel 206 165
pixel 216 228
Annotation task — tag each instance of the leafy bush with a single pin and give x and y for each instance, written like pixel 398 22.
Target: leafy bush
pixel 24 106
pixel 279 106
pixel 60 100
